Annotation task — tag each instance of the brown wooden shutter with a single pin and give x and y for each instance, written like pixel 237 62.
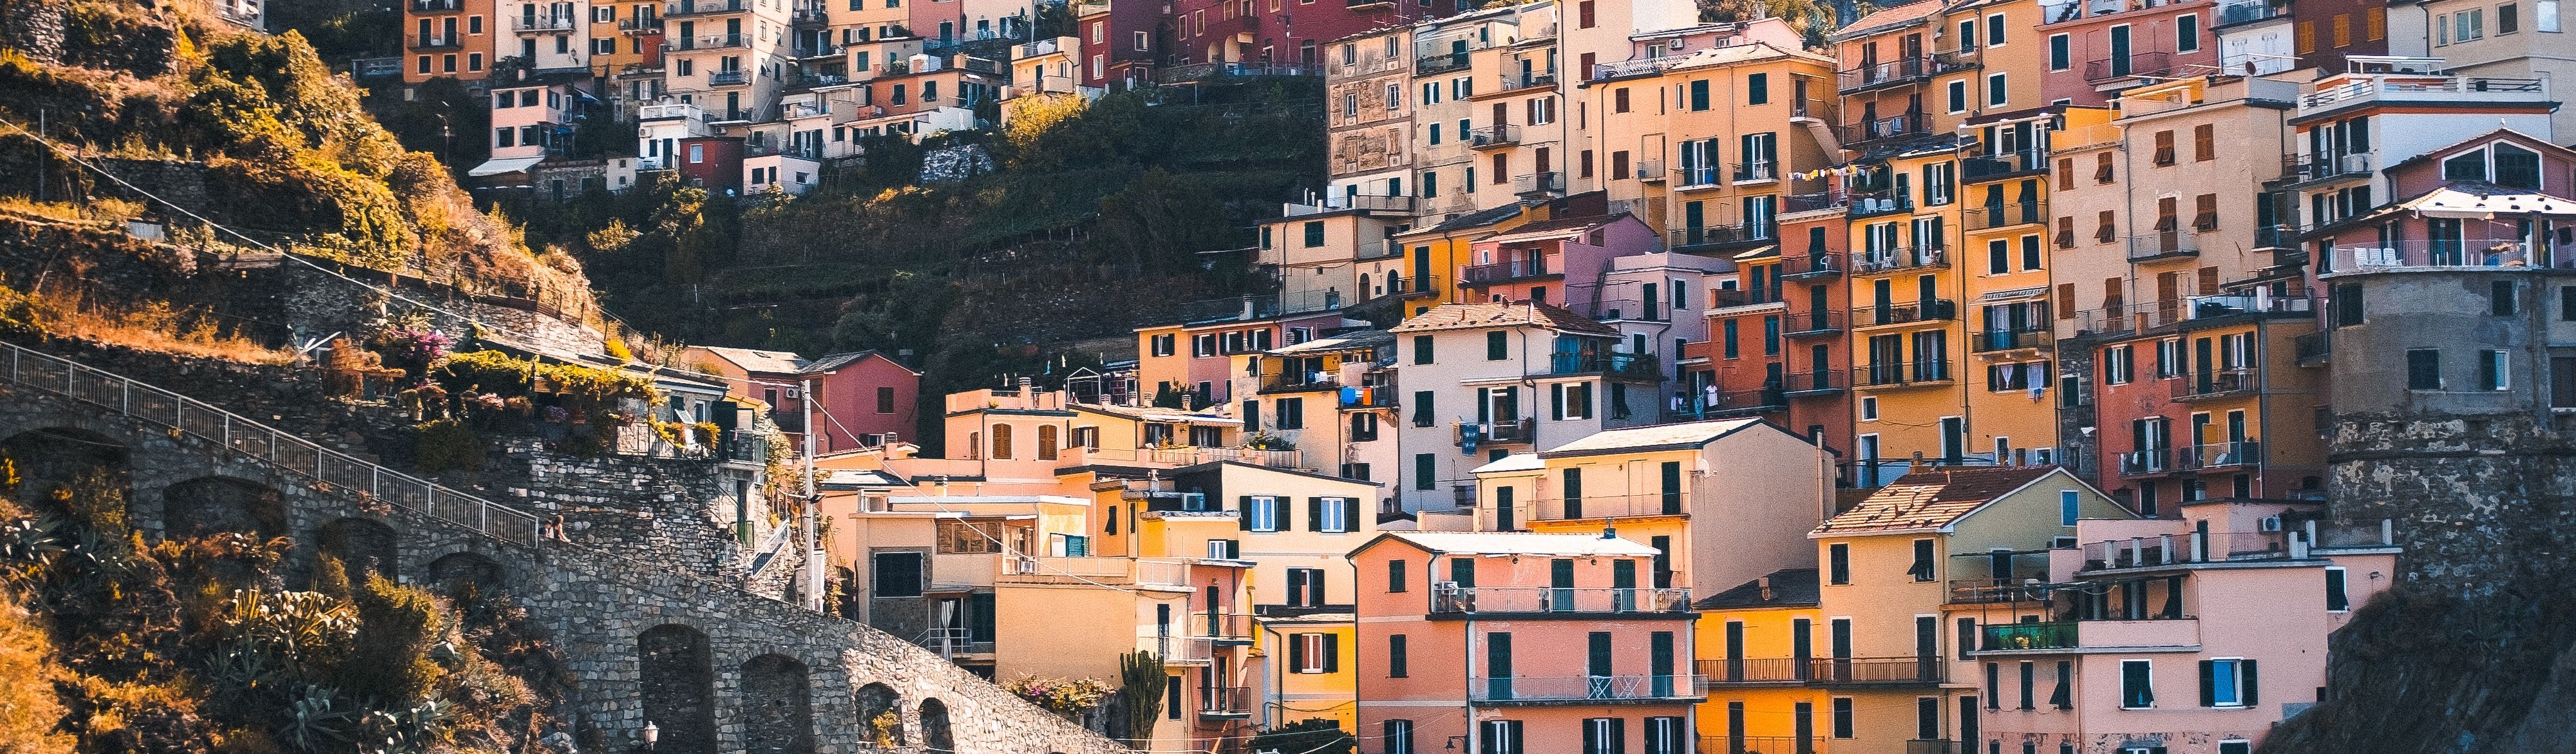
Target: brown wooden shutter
pixel 2102 167
pixel 2208 281
pixel 2108 231
pixel 1619 165
pixel 2167 209
pixel 2164 148
pixel 2065 232
pixel 2207 217
pixel 2065 173
pixel 2204 142
pixel 2065 300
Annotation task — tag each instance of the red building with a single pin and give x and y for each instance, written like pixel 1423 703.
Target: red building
pixel 1122 42
pixel 863 399
pixel 713 163
pixel 1284 31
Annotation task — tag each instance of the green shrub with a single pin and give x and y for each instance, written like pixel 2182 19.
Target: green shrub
pixel 388 661
pixel 444 444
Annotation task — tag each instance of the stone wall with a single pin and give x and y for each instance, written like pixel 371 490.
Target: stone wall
pixel 596 606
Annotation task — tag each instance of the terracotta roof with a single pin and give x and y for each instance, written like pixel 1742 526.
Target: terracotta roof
pixel 1562 227
pixel 1471 220
pixel 1790 587
pixel 1520 543
pixel 1506 314
pixel 1889 16
pixel 1932 499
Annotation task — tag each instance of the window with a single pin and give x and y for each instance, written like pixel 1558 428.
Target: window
pixel 1422 349
pixel 1001 442
pixel 1996 95
pixel 1224 549
pixel 1423 463
pixel 1922 569
pixel 1757 89
pixel 2204 142
pixel 1263 512
pixel 2500 298
pixel 2068 505
pixel 1838 563
pixel 2336 601
pixel 2060 52
pixel 2137 684
pixel 895 574
pixel 1332 515
pixel 2423 369
pixel 1843 723
pixel 1497 345
pixel 1395 578
pixel 2544 15
pixel 1314 653
pixel 1395 658
pixel 1399 735
pixel 1500 737
pixel 2494 370
pixel 2227 682
pixel 1995 30
pixel 1957 93
pixel 2029 681
pixel 1869 408
pixel 1605 735
pixel 1314 230
pixel 2187 32
pixel 1046 442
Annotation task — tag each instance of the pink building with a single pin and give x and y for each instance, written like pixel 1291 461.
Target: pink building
pixel 860 399
pixel 1555 262
pixel 1514 642
pixel 2189 636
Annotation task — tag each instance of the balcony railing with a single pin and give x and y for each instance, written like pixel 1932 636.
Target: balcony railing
pixel 2217 384
pixel 1430 64
pixel 2301 168
pixel 541 23
pixel 1506 432
pixel 1728 298
pixel 714 41
pixel 1902 373
pixel 705 8
pixel 1223 627
pixel 1582 688
pixel 1756 745
pixel 1876 261
pixel 1893 126
pixel 728 78
pixel 1545 600
pixel 1494 136
pixel 952 641
pixel 1709 235
pixel 1650 171
pixel 639 26
pixel 1230 702
pixel 1756 171
pixel 1635 365
pixel 1695 176
pixel 2004 165
pixel 1514 81
pixel 1881 74
pixel 1992 216
pixel 436 6
pixel 2158 461
pixel 1987 341
pixel 2108 70
pixel 1811 383
pixel 2312 347
pixel 1610 506
pixel 1740 403
pixel 1814 266
pixel 1175 649
pixel 1539 183
pixel 2001 637
pixel 2163 244
pixel 1921 310
pixel 1834 671
pixel 1817 202
pixel 1989 590
pixel 1164 573
pixel 435 43
pixel 1874 204
pixel 2245 11
pixel 2469 252
pixel 2291 543
pixel 1501 272
pixel 2435 89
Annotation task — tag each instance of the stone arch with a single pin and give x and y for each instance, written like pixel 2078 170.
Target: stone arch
pixel 219 505
pixel 52 458
pixel 457 571
pixel 777 706
pixel 677 680
pixel 363 546
pixel 877 700
pixel 935 735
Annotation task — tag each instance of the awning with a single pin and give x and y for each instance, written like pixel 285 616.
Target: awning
pixel 2475 205
pixel 504 165
pixel 1761 253
pixel 2016 294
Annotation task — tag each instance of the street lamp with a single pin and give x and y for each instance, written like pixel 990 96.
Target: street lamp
pixel 652 735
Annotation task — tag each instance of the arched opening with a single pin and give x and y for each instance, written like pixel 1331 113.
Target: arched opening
pixel 363 546
pixel 57 458
pixel 934 727
pixel 677 678
pixel 220 505
pixel 459 573
pixel 777 706
pixel 880 715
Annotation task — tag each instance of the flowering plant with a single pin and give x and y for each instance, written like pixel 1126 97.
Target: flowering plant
pixel 411 348
pixel 1063 696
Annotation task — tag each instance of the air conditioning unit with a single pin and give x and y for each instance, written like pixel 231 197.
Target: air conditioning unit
pixel 2271 523
pixel 795 392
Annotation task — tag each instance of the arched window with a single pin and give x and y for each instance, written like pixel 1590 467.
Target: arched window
pixel 1046 442
pixel 1001 442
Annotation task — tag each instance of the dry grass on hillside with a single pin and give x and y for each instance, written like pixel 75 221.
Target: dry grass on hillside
pixel 157 327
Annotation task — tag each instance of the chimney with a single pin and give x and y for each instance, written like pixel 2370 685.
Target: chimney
pixel 1024 388
pixel 1607 532
pixel 1765 583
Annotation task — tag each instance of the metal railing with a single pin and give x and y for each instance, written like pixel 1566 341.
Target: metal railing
pixel 1991 216
pixel 2136 64
pixel 1539 183
pixel 1811 383
pixel 1516 269
pixel 1758 170
pixel 1879 74
pixel 1872 204
pixel 1539 600
pixel 1909 124
pixel 1816 202
pixel 1494 136
pixel 1228 701
pixel 1721 234
pixel 695 8
pixel 294 455
pixel 2297 168
pixel 541 23
pixel 1650 171
pixel 1580 688
pixel 949 642
pixel 1610 506
pixel 2216 384
pixel 1822 265
pixel 1590 363
pixel 2312 346
pixel 1723 744
pixel 1875 261
pixel 2012 636
pixel 714 41
pixel 1990 166
pixel 2243 11
pixel 2369 88
pixel 1514 81
pixel 728 78
pixel 2162 244
pixel 1823 670
pixel 1922 310
pixel 1901 373
pixel 2012 340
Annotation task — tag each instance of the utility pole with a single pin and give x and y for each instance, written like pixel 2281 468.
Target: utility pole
pixel 813 547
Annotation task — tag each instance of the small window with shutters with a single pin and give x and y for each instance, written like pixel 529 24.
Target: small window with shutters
pixel 2205 218
pixel 2065 237
pixel 2065 300
pixel 2164 148
pixel 2065 173
pixel 2204 142
pixel 2102 167
pixel 2168 211
pixel 2107 230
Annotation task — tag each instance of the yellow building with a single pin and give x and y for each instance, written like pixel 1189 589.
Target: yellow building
pixel 1888 566
pixel 1756 644
pixel 2006 263
pixel 1905 290
pixel 1433 257
pixel 1708 146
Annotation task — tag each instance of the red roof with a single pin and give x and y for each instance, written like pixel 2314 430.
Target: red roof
pixel 1932 499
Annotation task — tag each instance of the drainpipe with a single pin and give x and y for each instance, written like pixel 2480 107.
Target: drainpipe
pixel 1467 676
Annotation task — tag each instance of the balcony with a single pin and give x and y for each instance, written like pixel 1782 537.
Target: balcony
pixel 1492 137
pixel 1891 313
pixel 1539 600
pixel 1641 366
pixel 1996 341
pixel 1505 432
pixel 714 41
pixel 437 6
pixel 1153 573
pixel 1735 404
pixel 1756 745
pixel 1891 127
pixel 531 24
pixel 1874 75
pixel 2299 169
pixel 2450 253
pixel 1549 183
pixel 1760 171
pixel 1815 267
pixel 728 78
pixel 2247 11
pixel 1879 203
pixel 640 26
pixel 1697 177
pixel 2027 636
pixel 2313 348
pixel 2226 383
pixel 1430 64
pixel 1627 68
pixel 2452 89
pixel 1998 216
pixel 1300 382
pixel 1226 629
pixel 2154 462
pixel 1824 671
pixel 1583 689
pixel 2192 548
pixel 1997 591
pixel 1897 374
pixel 1812 384
pixel 703 8
pixel 1532 268
pixel 1729 298
pixel 1817 202
pixel 1720 235
pixel 436 43
pixel 1999 166
pixel 1179 650
pixel 1650 171
pixel 2169 244
pixel 810 16
pixel 1882 261
pixel 1231 703
pixel 367 68
pixel 1528 79
pixel 950 642
pixel 1609 506
pixel 2137 64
